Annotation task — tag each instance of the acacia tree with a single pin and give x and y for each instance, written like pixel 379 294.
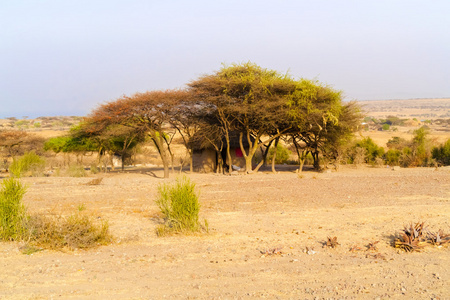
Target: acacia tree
pixel 313 109
pixel 247 99
pixel 148 113
pixel 16 142
pixel 338 136
pixel 114 140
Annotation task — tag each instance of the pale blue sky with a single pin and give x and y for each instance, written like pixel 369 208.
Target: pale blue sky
pixel 64 57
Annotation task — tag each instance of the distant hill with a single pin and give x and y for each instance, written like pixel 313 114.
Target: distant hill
pixel 421 109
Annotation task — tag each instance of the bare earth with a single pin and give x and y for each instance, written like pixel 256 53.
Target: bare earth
pixel 247 215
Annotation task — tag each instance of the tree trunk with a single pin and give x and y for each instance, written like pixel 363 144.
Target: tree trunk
pixel 191 161
pixel 266 152
pixel 227 137
pixel 275 154
pixel 315 156
pixel 158 140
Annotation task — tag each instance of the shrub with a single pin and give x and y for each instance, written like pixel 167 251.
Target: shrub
pixel 94 169
pixel 397 143
pixel 282 156
pixel 78 231
pixel 179 206
pixel 442 153
pixel 76 171
pixel 12 211
pixel 29 162
pixel 392 157
pixel 386 127
pixel 372 150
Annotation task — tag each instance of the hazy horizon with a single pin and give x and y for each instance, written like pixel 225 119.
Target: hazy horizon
pixel 64 58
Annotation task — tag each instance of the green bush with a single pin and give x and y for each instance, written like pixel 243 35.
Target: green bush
pixel 392 157
pixel 372 150
pixel 30 163
pixel 13 216
pixel 282 156
pixel 179 206
pixel 442 153
pixel 386 127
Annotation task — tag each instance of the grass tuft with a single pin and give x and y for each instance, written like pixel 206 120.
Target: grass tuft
pixel 13 216
pixel 180 208
pixel 28 164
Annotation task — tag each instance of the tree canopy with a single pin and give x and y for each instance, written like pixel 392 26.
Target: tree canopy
pixel 259 105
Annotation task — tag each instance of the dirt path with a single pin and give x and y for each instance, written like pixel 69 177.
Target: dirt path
pixel 247 215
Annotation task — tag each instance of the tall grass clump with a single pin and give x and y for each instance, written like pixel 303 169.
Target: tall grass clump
pixel 180 207
pixel 30 163
pixel 13 216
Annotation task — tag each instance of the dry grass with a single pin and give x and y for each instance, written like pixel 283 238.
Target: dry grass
pixel 78 231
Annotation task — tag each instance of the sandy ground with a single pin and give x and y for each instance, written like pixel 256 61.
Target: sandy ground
pixel 248 214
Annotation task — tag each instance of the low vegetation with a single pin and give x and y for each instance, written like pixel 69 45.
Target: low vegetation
pixel 180 208
pixel 13 217
pixel 76 231
pixel 28 164
pixel 415 237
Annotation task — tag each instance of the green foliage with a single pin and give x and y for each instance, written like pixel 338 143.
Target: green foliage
pixel 372 150
pixel 421 147
pixel 179 206
pixel 393 120
pixel 392 157
pixel 12 211
pixel 29 162
pixel 77 231
pixel 70 144
pixel 386 127
pixel 442 153
pixel 282 156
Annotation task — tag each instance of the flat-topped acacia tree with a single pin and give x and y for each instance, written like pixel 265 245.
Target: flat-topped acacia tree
pixel 248 99
pixel 148 112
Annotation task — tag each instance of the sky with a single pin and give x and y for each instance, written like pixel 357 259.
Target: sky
pixel 67 57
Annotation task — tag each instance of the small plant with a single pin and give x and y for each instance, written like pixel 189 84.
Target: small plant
pixel 269 252
pixel 282 154
pixel 95 181
pixel 76 171
pixel 78 231
pixel 372 246
pixel 94 169
pixel 355 248
pixel 332 242
pixel 13 216
pixel 179 206
pixel 28 163
pixel 81 207
pixel 438 238
pixel 411 238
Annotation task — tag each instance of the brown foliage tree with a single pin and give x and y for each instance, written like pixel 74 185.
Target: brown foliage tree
pixel 149 113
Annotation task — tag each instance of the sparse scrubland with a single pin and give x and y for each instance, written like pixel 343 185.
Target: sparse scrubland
pixel 93 214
